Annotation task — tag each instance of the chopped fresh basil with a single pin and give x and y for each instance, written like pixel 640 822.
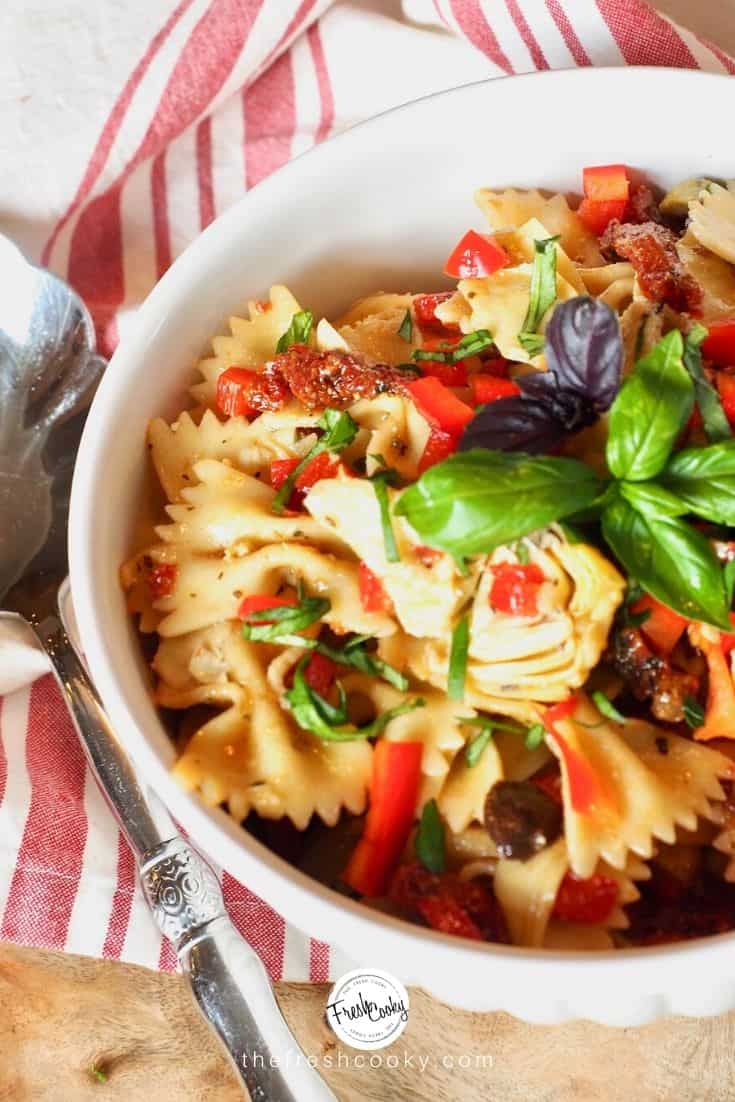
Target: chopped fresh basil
pixel 535 735
pixel 379 482
pixel 714 421
pixel 522 553
pixel 606 708
pixel 339 430
pixel 270 624
pixel 693 712
pixel 542 295
pixel 298 331
pixel 728 576
pixel 329 722
pixel 470 345
pixel 651 409
pixel 474 750
pixel 405 329
pixel 355 654
pixel 458 659
pixel 429 843
pixel 98 1074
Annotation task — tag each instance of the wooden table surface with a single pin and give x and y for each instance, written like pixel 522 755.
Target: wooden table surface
pixel 73 1029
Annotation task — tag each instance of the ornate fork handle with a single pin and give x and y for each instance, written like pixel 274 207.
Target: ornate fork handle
pixel 227 977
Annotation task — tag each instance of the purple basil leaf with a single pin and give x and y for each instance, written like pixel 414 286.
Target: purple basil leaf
pixel 514 424
pixel 572 409
pixel 584 350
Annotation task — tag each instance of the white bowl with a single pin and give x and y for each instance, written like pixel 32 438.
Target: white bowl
pixel 379 207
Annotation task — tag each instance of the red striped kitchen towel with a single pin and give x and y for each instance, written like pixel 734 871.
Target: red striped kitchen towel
pixel 168 113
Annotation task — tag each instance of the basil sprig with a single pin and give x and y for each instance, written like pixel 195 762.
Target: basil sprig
pixel 469 345
pixel 339 430
pixel 542 295
pixel 298 331
pixel 714 421
pixel 429 843
pixel 703 480
pixel 331 722
pixel 269 625
pixel 477 500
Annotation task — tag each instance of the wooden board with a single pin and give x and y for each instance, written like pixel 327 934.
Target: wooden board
pixel 62 1016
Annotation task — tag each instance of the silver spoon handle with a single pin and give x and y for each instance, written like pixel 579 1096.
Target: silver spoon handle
pixel 227 977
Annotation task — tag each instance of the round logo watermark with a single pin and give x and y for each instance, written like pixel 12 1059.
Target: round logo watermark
pixel 368 1009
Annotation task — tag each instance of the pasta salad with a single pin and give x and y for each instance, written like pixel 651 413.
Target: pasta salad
pixel 439 603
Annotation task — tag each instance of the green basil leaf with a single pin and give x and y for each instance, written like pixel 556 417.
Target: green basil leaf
pixel 339 430
pixel 475 749
pixel 728 577
pixel 522 553
pixel 315 714
pixel 429 843
pixel 714 421
pixel 533 343
pixel 672 561
pixel 543 290
pixel 652 499
pixel 606 708
pixel 649 412
pixel 458 659
pixel 704 479
pixel 470 345
pixel 535 736
pixel 693 712
pixel 355 654
pixel 477 500
pixel 405 329
pixel 298 331
pixel 379 483
pixel 269 624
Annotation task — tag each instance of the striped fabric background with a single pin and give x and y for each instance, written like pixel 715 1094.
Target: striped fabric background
pixel 222 93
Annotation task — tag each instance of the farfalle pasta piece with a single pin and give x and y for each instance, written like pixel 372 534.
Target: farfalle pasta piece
pixel 391 429
pixel 612 284
pixel 252 756
pixel 209 590
pixel 425 597
pixel 251 344
pixel 624 786
pixel 514 208
pixel 371 328
pixel 230 511
pixel 462 797
pixel 712 221
pixel 715 276
pixel 499 302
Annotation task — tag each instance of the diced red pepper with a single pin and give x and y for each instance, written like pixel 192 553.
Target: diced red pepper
pixel 726 388
pixel 585 789
pixel 496 366
pixel 320 673
pixel 663 627
pixel 424 307
pixel 322 466
pixel 719 718
pixel 259 602
pixel 727 639
pixel 440 406
pixel 233 388
pixel 160 577
pixel 439 446
pixel 372 595
pixel 476 255
pixel 606 183
pixel 394 789
pixel 586 900
pixel 281 469
pixel 488 388
pixel 515 588
pixel 598 215
pixel 445 914
pixel 427 556
pixel 449 374
pixel 719 344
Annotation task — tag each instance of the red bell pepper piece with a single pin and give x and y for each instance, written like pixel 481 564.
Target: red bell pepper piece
pixel 372 595
pixel 476 255
pixel 585 789
pixel 719 344
pixel 726 388
pixel 727 639
pixel 320 673
pixel 605 183
pixel 449 374
pixel 424 307
pixel 662 627
pixel 719 718
pixel 260 602
pixel 549 781
pixel 438 447
pixel 515 588
pixel 586 900
pixel 427 556
pixel 439 406
pixel 322 466
pixel 496 366
pixel 233 387
pixel 160 577
pixel 598 215
pixel 488 388
pixel 394 789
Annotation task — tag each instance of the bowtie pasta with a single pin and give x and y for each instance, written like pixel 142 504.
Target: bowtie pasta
pixel 438 603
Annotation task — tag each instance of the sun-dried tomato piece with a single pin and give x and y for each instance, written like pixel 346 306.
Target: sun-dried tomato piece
pixel 651 249
pixel 160 577
pixel 334 379
pixel 642 205
pixel 465 908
